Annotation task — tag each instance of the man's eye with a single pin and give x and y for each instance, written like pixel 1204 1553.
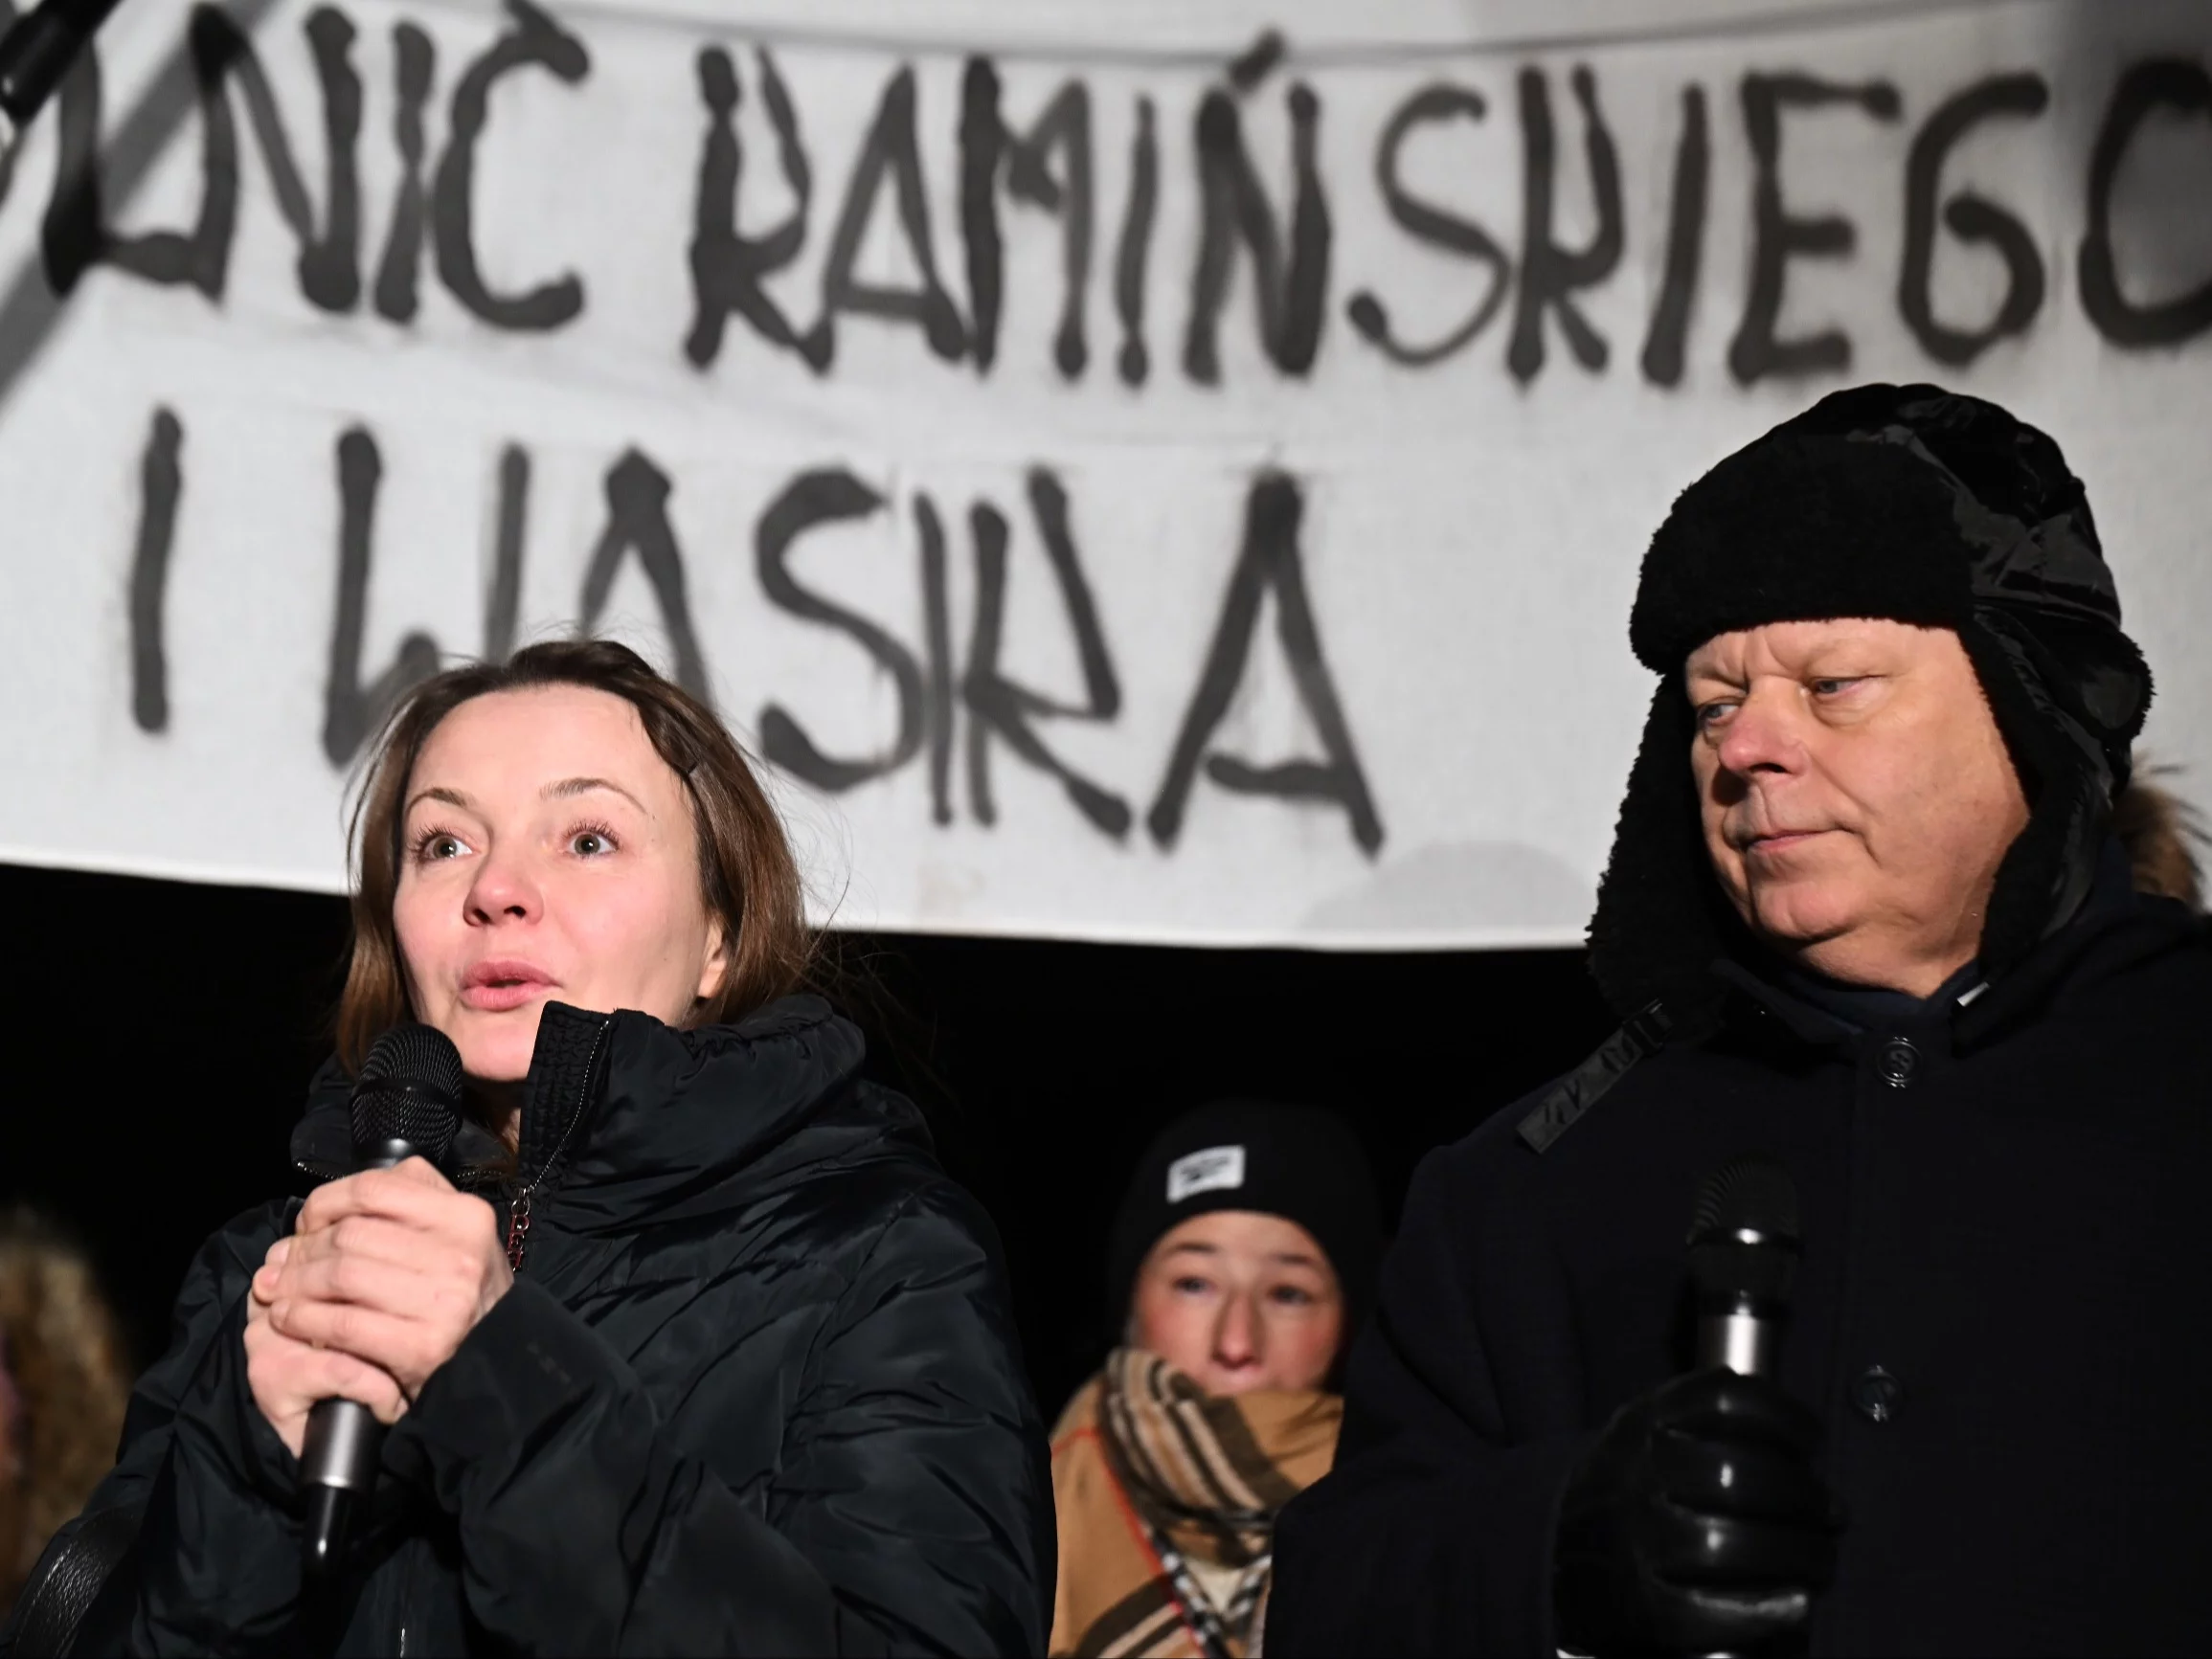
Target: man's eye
pixel 1832 687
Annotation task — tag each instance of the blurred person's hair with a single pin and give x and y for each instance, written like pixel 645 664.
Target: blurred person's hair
pixel 750 879
pixel 2161 833
pixel 68 1382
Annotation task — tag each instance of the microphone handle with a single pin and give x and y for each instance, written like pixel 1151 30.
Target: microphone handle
pixel 1742 1339
pixel 339 1452
pixel 1748 1342
pixel 337 1466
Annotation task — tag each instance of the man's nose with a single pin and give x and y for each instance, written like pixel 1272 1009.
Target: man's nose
pixel 1762 736
pixel 503 890
pixel 1236 1333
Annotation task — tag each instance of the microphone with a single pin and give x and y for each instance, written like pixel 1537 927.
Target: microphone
pixel 1744 1247
pixel 36 54
pixel 406 1104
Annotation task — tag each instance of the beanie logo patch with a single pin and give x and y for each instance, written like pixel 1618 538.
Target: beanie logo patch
pixel 1205 1171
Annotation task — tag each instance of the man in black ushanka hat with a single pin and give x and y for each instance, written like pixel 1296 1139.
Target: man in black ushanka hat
pixel 1863 916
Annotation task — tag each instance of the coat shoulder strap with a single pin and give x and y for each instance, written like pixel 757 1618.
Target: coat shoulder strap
pixel 67 1581
pixel 1644 1033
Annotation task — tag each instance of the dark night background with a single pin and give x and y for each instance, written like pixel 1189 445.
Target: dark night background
pixel 163 1034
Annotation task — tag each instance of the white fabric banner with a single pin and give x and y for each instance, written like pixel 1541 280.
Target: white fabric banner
pixel 1137 470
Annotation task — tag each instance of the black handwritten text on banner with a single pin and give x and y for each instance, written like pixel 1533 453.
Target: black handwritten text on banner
pixel 1124 487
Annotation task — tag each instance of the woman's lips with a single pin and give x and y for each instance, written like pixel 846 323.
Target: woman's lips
pixel 495 987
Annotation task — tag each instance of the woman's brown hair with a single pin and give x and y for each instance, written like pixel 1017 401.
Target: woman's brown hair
pixel 748 878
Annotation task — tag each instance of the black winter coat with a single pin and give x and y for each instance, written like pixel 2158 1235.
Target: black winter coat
pixel 754 1390
pixel 2003 1316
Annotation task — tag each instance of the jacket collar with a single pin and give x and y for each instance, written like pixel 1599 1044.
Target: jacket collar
pixel 624 1117
pixel 2116 929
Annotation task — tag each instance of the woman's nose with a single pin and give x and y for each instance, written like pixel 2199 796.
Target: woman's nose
pixel 502 890
pixel 1236 1334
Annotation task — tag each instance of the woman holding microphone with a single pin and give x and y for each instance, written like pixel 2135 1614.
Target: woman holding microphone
pixel 725 1362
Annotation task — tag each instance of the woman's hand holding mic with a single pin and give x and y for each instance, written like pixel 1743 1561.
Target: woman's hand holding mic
pixel 384 1275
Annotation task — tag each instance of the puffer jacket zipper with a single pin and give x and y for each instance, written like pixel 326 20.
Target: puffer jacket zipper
pixel 476 1179
pixel 519 1204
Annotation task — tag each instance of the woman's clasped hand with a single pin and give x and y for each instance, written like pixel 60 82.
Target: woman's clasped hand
pixel 385 1273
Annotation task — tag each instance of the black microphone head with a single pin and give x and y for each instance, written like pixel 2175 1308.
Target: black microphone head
pixel 409 1089
pixel 1744 1233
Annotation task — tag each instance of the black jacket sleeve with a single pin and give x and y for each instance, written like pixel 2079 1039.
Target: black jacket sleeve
pixel 911 1512
pixel 215 1567
pixel 1432 1533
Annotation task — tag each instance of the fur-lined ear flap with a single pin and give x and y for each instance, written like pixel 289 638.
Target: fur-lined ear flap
pixel 2046 873
pixel 1654 935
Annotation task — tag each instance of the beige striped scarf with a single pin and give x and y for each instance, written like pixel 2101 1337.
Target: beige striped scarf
pixel 1143 1454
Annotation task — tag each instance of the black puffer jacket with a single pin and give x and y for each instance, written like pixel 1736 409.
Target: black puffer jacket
pixel 756 1390
pixel 2001 1316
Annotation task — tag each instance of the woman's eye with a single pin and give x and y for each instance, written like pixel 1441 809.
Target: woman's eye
pixel 1831 688
pixel 591 843
pixel 1711 714
pixel 1190 1285
pixel 1292 1296
pixel 438 844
